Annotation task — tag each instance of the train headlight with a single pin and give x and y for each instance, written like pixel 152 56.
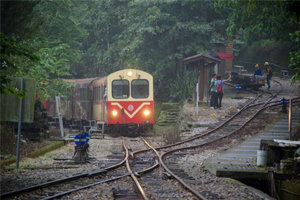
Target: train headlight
pixel 114 113
pixel 146 112
pixel 129 73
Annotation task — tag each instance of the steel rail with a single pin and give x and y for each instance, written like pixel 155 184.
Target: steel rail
pixel 197 146
pixel 177 178
pixel 148 169
pixel 103 181
pixel 84 187
pixel 196 137
pixel 207 143
pixel 58 181
pixel 90 185
pixel 157 154
pixel 276 103
pixel 218 127
pixel 132 174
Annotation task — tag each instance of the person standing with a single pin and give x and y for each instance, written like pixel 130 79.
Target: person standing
pixel 268 72
pixel 257 73
pixel 219 90
pixel 212 86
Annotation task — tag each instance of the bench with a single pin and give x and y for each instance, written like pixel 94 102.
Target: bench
pixel 284 74
pixel 78 124
pixel 97 129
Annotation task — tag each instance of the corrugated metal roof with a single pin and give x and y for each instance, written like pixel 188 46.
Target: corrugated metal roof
pixel 82 82
pixel 201 57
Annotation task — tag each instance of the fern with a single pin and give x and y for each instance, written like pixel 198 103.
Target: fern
pixel 183 85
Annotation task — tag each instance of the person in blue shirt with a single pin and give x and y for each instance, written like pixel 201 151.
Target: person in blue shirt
pixel 257 73
pixel 212 91
pixel 219 90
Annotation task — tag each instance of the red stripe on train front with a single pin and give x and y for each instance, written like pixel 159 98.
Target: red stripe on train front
pixel 134 111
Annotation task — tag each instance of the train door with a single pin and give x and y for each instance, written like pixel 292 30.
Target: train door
pixel 105 109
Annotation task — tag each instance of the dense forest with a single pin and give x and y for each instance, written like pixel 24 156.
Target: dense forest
pixel 50 40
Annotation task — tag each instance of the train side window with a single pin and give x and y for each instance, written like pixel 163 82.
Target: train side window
pixel 120 89
pixel 140 88
pixel 88 94
pixel 81 96
pixel 96 92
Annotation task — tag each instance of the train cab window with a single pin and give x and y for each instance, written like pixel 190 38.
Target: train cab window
pixel 120 89
pixel 139 88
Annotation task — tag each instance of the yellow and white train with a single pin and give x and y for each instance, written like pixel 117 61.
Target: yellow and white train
pixel 124 100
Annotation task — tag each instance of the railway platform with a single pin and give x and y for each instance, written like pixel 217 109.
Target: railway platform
pixel 243 158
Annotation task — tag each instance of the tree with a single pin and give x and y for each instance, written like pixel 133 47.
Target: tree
pixel 11 52
pixel 277 19
pixel 53 64
pixel 51 29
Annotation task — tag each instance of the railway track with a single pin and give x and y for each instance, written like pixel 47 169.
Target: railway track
pixel 156 172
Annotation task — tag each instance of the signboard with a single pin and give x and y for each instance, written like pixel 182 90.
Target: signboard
pixel 80 141
pixel 283 101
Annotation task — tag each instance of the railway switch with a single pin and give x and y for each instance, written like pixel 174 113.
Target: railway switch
pixel 81 149
pixel 283 102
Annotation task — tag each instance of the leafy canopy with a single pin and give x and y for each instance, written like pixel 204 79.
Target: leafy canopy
pixel 279 20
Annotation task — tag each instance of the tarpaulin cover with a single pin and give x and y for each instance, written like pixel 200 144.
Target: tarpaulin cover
pixel 225 55
pixel 214 55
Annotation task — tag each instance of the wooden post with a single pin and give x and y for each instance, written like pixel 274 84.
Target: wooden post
pixel 201 80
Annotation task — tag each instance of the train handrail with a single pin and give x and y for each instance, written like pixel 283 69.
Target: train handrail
pixel 290 118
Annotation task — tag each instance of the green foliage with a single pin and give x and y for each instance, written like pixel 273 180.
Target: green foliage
pixel 53 64
pixel 100 37
pixel 276 20
pixel 11 52
pixel 18 19
pixel 182 86
pixel 295 57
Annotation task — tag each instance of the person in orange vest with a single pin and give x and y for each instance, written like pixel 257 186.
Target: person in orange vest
pixel 269 73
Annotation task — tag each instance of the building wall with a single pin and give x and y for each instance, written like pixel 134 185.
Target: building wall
pixel 222 65
pixel 229 50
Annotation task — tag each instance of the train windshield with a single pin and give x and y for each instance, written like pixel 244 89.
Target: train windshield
pixel 120 89
pixel 140 88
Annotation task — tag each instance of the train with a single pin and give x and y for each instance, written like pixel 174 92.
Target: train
pixel 247 80
pixel 123 101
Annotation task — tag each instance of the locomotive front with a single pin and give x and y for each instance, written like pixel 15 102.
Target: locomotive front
pixel 130 101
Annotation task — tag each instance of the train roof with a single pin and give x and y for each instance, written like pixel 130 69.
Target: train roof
pixel 123 73
pixel 81 82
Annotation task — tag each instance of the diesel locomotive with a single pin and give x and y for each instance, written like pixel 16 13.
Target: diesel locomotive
pixel 123 101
